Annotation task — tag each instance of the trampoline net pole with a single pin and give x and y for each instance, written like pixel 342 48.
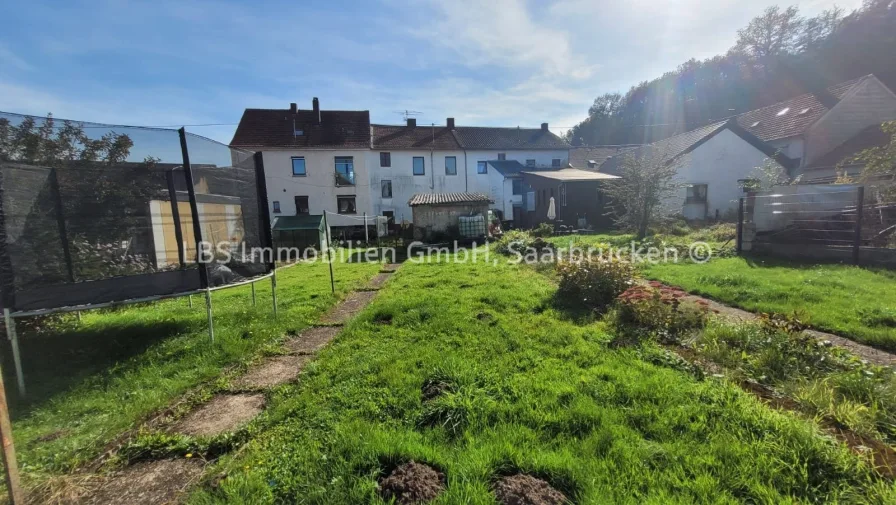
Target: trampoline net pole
pixel 14 344
pixel 274 290
pixel 254 303
pixel 208 310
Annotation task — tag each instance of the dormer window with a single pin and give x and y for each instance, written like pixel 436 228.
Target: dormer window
pixel 783 111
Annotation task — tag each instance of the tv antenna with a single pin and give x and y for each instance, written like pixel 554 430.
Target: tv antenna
pixel 405 114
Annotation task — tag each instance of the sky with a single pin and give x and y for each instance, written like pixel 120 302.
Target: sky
pixel 485 63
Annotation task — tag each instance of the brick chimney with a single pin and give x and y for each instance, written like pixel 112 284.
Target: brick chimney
pixel 412 122
pixel 315 106
pixel 450 123
pixel 292 108
pixel 544 127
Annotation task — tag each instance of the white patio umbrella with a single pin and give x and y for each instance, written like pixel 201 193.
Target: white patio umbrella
pixel 552 210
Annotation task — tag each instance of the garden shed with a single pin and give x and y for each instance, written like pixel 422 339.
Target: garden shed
pixel 300 232
pixel 438 214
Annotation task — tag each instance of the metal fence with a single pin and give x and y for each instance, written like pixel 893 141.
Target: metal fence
pixel 842 222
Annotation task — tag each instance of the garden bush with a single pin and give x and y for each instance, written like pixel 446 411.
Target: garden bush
pixel 594 283
pixel 543 230
pixel 656 311
pixel 518 241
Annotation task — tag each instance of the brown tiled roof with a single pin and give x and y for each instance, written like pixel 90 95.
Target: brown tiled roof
pixel 447 198
pixel 671 148
pixel 770 123
pixel 418 137
pixel 870 137
pixel 260 128
pixel 580 157
pixel 486 137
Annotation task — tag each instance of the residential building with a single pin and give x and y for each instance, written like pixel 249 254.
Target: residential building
pixel 336 161
pixel 718 162
pixel 314 160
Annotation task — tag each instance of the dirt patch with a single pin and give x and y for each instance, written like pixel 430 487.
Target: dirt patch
pixel 348 308
pixel 222 414
pixel 272 372
pixel 378 280
pixel 522 489
pixel 313 339
pixel 412 483
pixel 148 483
pixel 390 267
pixel 434 388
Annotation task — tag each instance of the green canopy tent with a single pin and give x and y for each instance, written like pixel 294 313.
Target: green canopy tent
pixel 300 232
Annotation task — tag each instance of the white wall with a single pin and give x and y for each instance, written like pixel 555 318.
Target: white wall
pixel 792 147
pixel 718 163
pixel 867 103
pixel 319 185
pixel 405 184
pixel 499 189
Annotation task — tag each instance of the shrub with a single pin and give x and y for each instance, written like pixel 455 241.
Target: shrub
pixel 594 283
pixel 543 230
pixel 657 311
pixel 517 241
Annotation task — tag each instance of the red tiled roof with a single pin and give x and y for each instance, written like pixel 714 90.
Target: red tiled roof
pixel 274 128
pixel 447 198
pixel 792 117
pixel 418 137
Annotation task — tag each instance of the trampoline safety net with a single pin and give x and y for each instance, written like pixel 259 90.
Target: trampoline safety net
pixel 94 214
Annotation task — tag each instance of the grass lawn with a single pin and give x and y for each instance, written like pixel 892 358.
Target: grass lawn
pixel 847 300
pixel 91 381
pixel 523 388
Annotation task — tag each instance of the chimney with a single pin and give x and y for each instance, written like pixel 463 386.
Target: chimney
pixel 292 108
pixel 412 122
pixel 315 105
pixel 544 127
pixel 450 122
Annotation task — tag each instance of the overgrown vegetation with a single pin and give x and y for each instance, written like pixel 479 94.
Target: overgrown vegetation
pixel 593 283
pixel 656 312
pixel 479 375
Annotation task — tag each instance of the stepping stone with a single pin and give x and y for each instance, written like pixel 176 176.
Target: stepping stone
pixel 272 372
pixel 147 483
pixel 378 280
pixel 348 308
pixel 313 339
pixel 224 413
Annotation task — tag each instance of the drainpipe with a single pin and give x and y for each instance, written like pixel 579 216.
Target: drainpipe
pixel 466 177
pixel 432 165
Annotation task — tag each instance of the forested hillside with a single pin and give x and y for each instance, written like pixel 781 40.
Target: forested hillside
pixel 778 55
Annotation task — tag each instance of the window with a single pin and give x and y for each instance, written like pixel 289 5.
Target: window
pixel 555 162
pixel 696 194
pixel 450 165
pixel 298 167
pixel 345 171
pixel 385 159
pixel 390 216
pixel 502 156
pixel 530 163
pixel 419 165
pixel 517 186
pixel 386 188
pixel 346 205
pixel 481 167
pixel 276 207
pixel 302 205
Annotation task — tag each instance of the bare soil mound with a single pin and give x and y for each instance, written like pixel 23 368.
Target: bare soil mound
pixel 412 483
pixel 522 489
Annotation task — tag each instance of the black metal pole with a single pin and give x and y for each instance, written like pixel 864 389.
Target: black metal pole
pixel 264 212
pixel 860 205
pixel 740 225
pixel 194 207
pixel 60 224
pixel 175 215
pixel 329 253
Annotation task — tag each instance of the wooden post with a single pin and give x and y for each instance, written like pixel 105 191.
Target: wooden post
pixel 857 242
pixel 740 225
pixel 13 486
pixel 14 345
pixel 329 256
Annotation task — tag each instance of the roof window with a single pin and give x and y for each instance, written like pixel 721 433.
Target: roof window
pixel 783 111
pixel 754 125
pixel 805 111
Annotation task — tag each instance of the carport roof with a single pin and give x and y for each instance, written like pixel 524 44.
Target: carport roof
pixel 572 174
